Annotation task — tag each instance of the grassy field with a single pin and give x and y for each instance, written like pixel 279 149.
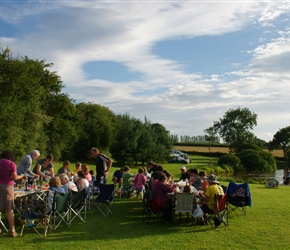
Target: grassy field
pixel 264 227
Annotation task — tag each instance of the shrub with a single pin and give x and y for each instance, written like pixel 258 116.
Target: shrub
pixel 229 160
pixel 245 146
pixel 253 160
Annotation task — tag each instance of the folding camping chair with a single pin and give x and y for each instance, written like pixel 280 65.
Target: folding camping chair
pixel 272 183
pixel 37 216
pixel 220 212
pixel 78 204
pixel 238 198
pixel 105 199
pixel 184 203
pixel 3 225
pixel 60 209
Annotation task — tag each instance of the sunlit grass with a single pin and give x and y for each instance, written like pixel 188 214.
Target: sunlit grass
pixel 264 227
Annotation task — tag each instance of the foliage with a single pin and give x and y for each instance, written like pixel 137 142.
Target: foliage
pixel 95 126
pixel 139 142
pixel 281 140
pixel 234 128
pixel 245 146
pixel 253 160
pixel 26 87
pixel 229 160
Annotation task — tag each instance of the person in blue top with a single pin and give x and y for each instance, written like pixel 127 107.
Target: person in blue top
pixel 117 177
pixel 55 185
pixel 24 165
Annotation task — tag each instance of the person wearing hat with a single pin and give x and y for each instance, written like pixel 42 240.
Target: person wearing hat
pixel 208 198
pixel 184 174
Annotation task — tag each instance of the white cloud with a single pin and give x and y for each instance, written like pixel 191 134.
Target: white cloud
pixel 70 34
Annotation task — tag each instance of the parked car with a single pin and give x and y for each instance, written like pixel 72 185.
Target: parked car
pixel 176 152
pixel 178 159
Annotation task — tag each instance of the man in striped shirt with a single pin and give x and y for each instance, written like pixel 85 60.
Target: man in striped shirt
pixel 103 165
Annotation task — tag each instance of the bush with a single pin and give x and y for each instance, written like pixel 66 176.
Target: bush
pixel 253 160
pixel 245 146
pixel 229 160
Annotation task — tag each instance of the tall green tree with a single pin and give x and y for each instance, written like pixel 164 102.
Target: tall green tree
pixel 95 126
pixel 24 87
pixel 61 130
pixel 235 126
pixel 210 136
pixel 138 141
pixel 126 139
pixel 281 140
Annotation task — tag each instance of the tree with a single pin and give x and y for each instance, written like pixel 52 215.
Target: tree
pixel 234 128
pixel 25 86
pixel 210 136
pixel 95 125
pixel 281 140
pixel 61 130
pixel 139 142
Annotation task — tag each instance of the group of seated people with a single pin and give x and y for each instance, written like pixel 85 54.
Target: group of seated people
pixel 163 187
pixel 64 180
pixel 81 178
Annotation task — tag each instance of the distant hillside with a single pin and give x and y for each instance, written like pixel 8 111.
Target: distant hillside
pixel 216 149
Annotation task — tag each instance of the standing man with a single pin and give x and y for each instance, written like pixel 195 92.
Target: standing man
pixel 103 165
pixel 24 166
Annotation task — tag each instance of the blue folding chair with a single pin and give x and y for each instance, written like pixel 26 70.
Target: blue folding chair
pixel 105 199
pixel 238 197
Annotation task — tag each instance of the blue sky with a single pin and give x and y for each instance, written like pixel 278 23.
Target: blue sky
pixel 179 63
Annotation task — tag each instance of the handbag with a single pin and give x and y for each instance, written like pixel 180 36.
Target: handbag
pixel 197 213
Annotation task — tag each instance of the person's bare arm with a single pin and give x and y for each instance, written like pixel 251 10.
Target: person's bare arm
pixel 38 170
pixel 16 177
pixel 51 172
pixel 108 166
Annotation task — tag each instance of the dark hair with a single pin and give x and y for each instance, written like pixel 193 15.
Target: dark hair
pixel 81 174
pixel 193 171
pixel 186 189
pixel 49 157
pixel 126 168
pixel 8 155
pixel 159 168
pixel 66 163
pixel 201 173
pixel 168 175
pixel 161 177
pixel 141 170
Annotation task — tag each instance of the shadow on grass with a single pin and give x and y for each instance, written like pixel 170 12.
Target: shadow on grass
pixel 125 223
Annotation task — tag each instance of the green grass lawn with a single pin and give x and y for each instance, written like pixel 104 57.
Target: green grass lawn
pixel 265 226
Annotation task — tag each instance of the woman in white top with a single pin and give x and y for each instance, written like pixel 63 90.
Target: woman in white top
pixel 82 182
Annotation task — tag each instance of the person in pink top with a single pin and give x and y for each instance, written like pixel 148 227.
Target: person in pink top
pixel 139 181
pixel 8 174
pixel 85 168
pixel 160 191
